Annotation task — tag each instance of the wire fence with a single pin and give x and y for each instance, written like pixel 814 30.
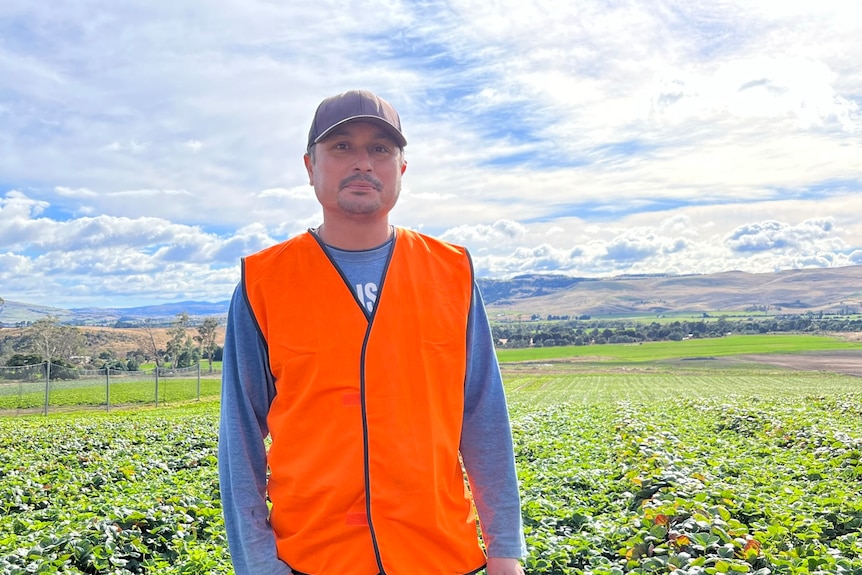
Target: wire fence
pixel 50 388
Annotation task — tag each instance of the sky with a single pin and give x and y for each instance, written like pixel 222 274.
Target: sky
pixel 147 145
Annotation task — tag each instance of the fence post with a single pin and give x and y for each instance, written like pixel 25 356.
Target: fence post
pixel 157 385
pixel 107 388
pixel 199 381
pixel 47 383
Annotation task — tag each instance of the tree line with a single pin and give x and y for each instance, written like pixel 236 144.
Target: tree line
pixel 586 331
pixel 49 340
pixel 60 346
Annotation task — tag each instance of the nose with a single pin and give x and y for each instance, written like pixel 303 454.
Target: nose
pixel 363 160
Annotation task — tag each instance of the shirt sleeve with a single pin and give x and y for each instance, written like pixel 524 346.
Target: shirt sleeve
pixel 247 392
pixel 486 442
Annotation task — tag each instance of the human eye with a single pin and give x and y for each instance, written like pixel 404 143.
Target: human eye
pixel 381 149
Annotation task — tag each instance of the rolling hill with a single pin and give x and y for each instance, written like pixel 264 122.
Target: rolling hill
pixel 791 291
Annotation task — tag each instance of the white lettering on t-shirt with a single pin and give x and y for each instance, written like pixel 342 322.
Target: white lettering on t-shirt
pixel 367 295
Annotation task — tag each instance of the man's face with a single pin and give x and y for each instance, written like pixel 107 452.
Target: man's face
pixel 356 170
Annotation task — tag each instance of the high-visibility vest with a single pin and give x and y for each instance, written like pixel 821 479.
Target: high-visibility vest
pixel 366 422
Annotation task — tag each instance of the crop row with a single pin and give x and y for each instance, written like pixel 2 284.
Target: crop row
pixel 650 386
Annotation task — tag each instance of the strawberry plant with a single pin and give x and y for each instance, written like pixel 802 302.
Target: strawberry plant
pixel 729 486
pixel 111 494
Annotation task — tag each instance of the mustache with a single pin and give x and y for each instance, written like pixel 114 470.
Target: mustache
pixel 378 185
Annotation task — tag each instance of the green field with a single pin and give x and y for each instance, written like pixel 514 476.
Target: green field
pixel 528 393
pixel 92 393
pixel 648 465
pixel 711 347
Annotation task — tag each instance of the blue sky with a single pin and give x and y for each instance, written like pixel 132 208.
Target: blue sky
pixel 145 146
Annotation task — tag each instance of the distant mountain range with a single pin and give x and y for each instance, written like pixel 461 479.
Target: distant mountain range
pixel 15 312
pixel 833 290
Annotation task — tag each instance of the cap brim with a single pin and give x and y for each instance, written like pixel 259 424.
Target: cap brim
pixel 393 132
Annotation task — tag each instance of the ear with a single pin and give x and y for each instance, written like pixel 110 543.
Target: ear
pixel 403 166
pixel 309 167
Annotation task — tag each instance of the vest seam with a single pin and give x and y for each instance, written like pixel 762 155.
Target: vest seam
pixel 255 319
pixel 365 448
pixel 469 313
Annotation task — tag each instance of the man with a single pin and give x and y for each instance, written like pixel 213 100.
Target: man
pixel 364 352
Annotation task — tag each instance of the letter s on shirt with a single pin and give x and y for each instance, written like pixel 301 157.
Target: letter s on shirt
pixel 367 295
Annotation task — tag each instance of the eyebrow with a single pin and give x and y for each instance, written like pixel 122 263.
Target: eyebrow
pixel 381 134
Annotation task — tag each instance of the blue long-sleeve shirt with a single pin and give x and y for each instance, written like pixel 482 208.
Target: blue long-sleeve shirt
pixel 248 389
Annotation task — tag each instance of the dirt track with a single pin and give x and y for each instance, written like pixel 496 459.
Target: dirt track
pixel 847 361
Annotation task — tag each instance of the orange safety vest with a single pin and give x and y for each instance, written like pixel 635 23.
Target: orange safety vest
pixel 365 475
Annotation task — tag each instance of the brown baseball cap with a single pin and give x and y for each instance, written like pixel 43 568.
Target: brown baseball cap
pixel 354 105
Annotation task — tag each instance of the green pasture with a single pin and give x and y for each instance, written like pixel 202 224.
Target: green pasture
pixel 92 392
pixel 691 348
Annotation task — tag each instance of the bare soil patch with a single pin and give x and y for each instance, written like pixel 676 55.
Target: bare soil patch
pixel 566 365
pixel 839 361
pixel 848 362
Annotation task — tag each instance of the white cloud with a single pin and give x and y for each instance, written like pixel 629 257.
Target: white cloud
pixel 76 193
pixel 149 193
pixel 770 235
pixel 130 146
pixel 773 87
pixel 500 232
pixel 433 196
pixel 16 204
pixel 296 193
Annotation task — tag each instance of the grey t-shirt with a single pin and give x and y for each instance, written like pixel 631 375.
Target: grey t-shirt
pixel 363 271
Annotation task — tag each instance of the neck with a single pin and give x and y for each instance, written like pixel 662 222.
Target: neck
pixel 353 235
